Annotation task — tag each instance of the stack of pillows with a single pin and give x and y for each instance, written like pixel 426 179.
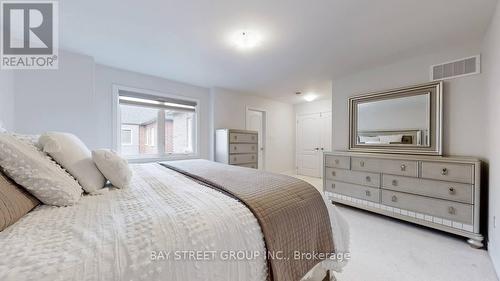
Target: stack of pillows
pixel 57 167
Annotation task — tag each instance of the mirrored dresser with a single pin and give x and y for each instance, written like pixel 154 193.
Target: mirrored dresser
pixel 394 165
pixel 438 192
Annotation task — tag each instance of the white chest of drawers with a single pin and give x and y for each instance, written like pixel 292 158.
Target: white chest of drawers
pixel 437 192
pixel 237 147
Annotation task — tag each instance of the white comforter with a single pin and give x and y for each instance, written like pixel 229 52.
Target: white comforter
pixel 127 235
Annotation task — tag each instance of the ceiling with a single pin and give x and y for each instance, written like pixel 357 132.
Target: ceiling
pixel 304 43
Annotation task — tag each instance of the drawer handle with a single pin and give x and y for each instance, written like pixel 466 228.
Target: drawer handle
pixel 362 163
pixel 395 182
pixel 444 171
pixel 394 198
pixel 452 190
pixel 368 179
pixel 253 137
pixel 253 157
pixel 403 167
pixel 333 173
pixel 235 148
pixel 336 161
pixel 451 211
pixel 253 147
pixel 333 185
pixel 234 159
pixel 235 137
pixel 368 193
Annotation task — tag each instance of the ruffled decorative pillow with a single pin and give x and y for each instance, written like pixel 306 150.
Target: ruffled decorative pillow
pixel 38 173
pixel 113 167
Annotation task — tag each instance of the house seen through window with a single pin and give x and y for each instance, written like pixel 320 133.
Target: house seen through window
pixel 156 126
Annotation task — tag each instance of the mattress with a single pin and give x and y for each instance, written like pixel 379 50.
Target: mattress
pixel 164 227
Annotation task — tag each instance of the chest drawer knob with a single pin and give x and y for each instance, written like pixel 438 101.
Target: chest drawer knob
pixel 451 211
pixel 452 191
pixel 235 137
pixel 235 148
pixel 333 173
pixel 234 159
pixel 394 182
pixel 362 163
pixel 253 157
pixel 444 171
pixel 403 167
pixel 368 179
pixel 394 198
pixel 333 185
pixel 337 161
pixel 368 193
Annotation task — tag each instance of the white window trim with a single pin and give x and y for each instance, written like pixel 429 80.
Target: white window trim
pixel 161 156
pixel 131 137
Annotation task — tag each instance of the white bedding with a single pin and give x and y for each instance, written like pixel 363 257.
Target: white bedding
pixel 119 234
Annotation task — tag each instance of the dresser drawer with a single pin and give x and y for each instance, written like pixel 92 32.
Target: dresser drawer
pixel 396 167
pixel 435 207
pixel 353 190
pixel 242 148
pixel 363 178
pixel 459 192
pixel 242 138
pixel 242 158
pixel 342 162
pixel 448 171
pixel 249 165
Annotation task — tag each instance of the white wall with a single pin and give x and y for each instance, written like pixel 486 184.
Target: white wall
pixel 491 68
pixel 59 100
pixel 324 105
pixel 229 111
pixel 464 99
pixel 7 99
pixel 77 98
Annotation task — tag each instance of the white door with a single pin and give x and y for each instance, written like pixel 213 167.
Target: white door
pixel 313 138
pixel 308 145
pixel 256 122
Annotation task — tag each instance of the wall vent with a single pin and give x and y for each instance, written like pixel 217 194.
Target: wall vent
pixel 457 68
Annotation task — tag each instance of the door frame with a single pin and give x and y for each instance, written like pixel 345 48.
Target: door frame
pixel 264 131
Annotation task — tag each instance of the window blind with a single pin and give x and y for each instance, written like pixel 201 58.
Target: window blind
pixel 140 99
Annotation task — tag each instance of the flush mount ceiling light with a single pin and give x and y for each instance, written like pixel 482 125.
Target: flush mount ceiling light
pixel 310 97
pixel 246 39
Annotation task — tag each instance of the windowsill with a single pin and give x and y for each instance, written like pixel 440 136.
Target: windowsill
pixel 157 158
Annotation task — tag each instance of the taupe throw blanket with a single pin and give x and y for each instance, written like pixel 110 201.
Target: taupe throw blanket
pixel 292 214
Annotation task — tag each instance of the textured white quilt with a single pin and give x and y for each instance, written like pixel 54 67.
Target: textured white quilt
pixel 164 227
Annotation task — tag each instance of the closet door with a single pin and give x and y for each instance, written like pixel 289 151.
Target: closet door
pixel 309 143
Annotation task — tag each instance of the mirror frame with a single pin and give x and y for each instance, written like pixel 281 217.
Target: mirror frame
pixel 435 89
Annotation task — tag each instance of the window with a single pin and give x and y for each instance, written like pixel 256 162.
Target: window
pixel 155 126
pixel 126 136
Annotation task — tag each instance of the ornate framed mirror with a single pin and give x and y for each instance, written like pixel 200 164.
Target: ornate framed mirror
pixel 405 120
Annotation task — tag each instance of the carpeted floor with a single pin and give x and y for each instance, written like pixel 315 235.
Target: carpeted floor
pixel 385 249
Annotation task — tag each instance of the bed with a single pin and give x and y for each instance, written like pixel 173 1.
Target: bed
pixel 166 226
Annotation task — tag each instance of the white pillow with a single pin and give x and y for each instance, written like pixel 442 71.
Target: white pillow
pixel 114 167
pixel 72 154
pixel 36 172
pixel 391 139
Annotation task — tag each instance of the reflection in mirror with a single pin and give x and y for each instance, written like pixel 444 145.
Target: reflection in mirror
pixel 402 121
